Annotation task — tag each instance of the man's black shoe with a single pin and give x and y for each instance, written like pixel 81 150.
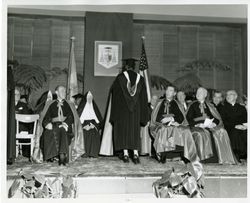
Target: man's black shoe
pixel 125 159
pixel 163 158
pixel 136 159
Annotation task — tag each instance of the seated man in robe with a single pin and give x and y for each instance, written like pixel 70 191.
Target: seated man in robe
pixel 217 100
pixel 211 138
pixel 57 119
pixel 168 131
pixel 234 116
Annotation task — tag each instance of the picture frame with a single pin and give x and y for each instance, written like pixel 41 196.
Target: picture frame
pixel 108 58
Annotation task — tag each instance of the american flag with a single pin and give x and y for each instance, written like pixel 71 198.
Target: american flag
pixel 143 60
pixel 143 66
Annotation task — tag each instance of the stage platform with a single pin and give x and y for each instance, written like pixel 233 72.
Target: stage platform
pixel 109 176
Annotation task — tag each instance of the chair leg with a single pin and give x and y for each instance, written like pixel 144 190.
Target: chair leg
pixel 31 147
pixel 17 148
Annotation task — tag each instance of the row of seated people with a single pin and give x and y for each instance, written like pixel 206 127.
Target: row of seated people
pixel 198 128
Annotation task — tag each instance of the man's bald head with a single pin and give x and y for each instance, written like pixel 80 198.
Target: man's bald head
pixel 201 94
pixel 231 96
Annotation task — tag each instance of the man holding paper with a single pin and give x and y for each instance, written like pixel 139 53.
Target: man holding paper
pixel 171 137
pixel 212 141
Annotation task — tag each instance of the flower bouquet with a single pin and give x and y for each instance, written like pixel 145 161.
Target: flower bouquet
pixel 187 182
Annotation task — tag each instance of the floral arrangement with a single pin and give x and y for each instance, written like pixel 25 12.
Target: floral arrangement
pixel 187 182
pixel 38 186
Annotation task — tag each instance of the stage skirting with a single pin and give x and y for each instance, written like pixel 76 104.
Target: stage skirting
pixel 109 177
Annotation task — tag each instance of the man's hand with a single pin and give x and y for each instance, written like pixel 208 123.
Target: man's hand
pixel 65 126
pixel 49 126
pixel 241 127
pixel 174 124
pixel 86 127
pixel 92 126
pixel 212 125
pixel 167 119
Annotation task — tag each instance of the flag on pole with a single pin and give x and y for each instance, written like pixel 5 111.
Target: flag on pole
pixel 72 86
pixel 143 66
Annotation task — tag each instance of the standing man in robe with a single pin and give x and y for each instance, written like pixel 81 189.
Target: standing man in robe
pixel 211 138
pixel 171 136
pixel 58 133
pixel 129 111
pixel 234 116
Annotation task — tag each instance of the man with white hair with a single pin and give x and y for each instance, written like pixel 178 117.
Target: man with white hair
pixel 234 116
pixel 211 138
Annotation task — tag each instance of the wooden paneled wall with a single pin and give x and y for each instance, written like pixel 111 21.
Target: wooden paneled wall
pixel 170 46
pixel 45 41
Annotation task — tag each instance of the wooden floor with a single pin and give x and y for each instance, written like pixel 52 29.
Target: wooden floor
pixel 112 166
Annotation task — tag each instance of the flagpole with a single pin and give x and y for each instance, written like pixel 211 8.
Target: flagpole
pixel 146 75
pixel 72 75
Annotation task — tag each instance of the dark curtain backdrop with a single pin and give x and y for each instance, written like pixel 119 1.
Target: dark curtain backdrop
pixel 104 27
pixel 11 122
pixel 244 59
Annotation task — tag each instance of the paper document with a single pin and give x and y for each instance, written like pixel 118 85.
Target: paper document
pixel 208 122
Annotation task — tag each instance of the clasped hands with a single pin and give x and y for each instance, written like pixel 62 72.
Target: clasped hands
pixel 89 126
pixel 241 127
pixel 64 125
pixel 170 120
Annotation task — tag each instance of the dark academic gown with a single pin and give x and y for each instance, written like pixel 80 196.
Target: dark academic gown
pixel 11 122
pixel 128 113
pixel 212 144
pixel 218 107
pixel 57 140
pixel 92 137
pixel 232 116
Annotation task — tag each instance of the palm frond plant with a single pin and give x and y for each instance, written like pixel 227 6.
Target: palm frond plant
pixel 29 77
pixel 159 82
pixel 205 64
pixel 188 83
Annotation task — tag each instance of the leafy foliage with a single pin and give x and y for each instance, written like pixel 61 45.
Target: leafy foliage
pixel 205 65
pixel 159 82
pixel 38 186
pixel 188 181
pixel 30 77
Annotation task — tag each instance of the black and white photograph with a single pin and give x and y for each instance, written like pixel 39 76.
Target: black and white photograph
pixel 124 101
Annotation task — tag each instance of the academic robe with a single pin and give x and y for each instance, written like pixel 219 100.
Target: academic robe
pixel 92 137
pixel 167 138
pixel 76 148
pixel 233 115
pixel 11 122
pixel 211 143
pixel 128 111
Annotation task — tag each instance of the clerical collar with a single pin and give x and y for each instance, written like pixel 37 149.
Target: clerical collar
pixel 62 100
pixel 202 102
pixel 169 100
pixel 233 103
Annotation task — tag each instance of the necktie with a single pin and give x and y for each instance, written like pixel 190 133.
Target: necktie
pixel 202 108
pixel 167 105
pixel 60 111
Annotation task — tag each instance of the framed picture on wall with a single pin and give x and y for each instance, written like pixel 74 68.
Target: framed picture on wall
pixel 108 56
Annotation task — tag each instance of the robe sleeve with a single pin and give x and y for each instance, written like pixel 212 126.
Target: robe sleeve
pixel 178 116
pixel 191 116
pixel 47 118
pixel 144 117
pixel 113 102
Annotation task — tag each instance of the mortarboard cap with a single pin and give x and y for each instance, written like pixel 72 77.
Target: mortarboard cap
pixel 129 62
